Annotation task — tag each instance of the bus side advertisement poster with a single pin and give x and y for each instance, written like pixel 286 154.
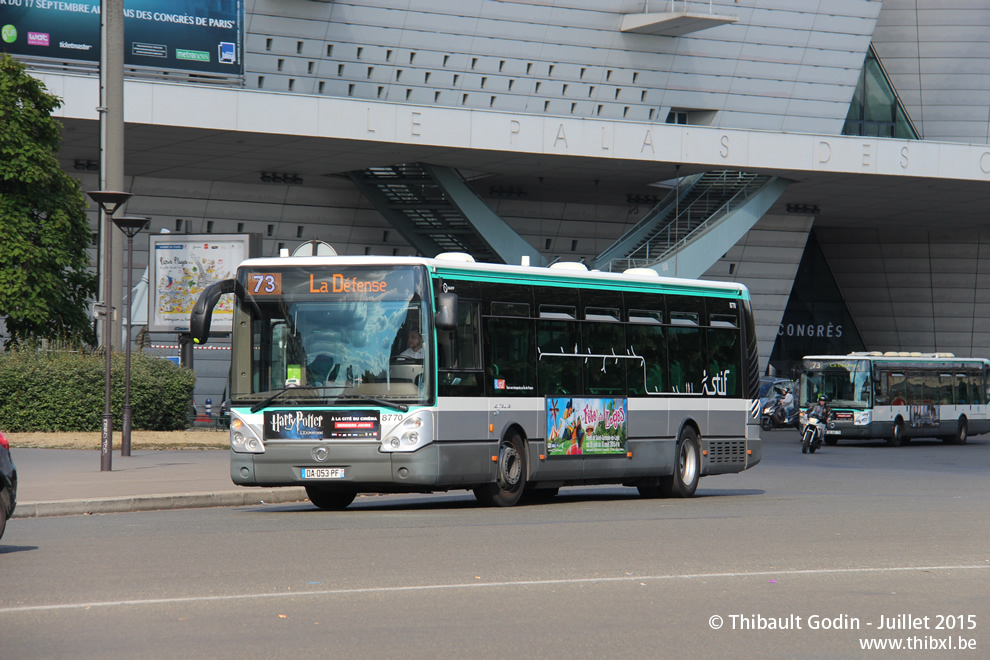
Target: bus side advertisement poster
pixel 322 425
pixel 925 416
pixel 189 35
pixel 586 426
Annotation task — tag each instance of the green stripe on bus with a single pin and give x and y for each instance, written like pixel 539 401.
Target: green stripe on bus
pixel 570 282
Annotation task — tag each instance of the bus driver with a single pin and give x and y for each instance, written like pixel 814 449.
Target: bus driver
pixel 415 349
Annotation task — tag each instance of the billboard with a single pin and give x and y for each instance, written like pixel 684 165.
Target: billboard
pixel 192 35
pixel 181 266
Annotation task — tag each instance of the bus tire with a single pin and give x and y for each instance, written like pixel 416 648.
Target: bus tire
pixel 687 467
pixel 962 433
pixel 329 500
pixel 510 475
pixel 896 438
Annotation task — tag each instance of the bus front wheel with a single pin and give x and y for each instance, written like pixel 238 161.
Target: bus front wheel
pixel 510 478
pixel 896 438
pixel 329 500
pixel 687 468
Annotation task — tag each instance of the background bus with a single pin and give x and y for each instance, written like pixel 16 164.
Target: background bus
pixel 528 378
pixel 898 395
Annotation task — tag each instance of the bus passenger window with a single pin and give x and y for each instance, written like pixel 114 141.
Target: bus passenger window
pixel 724 362
pixel 603 336
pixel 511 356
pixel 645 339
pixel 880 390
pixel 945 389
pixel 962 390
pixel 897 388
pixel 686 344
pixel 559 370
pixel 459 354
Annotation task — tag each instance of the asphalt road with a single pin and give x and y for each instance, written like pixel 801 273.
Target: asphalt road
pixel 855 537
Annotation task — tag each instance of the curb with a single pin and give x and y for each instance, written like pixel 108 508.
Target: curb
pixel 246 497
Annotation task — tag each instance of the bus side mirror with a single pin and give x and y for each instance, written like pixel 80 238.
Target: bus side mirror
pixel 446 311
pixel 202 314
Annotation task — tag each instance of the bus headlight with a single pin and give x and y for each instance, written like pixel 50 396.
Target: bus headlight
pixel 242 439
pixel 410 434
pixel 864 418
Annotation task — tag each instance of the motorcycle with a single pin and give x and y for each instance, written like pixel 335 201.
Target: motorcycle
pixel 811 437
pixel 774 416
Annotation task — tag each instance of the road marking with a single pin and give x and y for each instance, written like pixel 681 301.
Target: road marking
pixel 477 585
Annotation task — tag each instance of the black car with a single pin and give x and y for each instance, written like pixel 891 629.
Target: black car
pixel 8 484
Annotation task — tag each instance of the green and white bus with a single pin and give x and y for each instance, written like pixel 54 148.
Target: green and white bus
pixel 528 379
pixel 897 396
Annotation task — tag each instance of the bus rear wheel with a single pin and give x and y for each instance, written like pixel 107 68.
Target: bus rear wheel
pixel 962 433
pixel 510 478
pixel 329 500
pixel 687 468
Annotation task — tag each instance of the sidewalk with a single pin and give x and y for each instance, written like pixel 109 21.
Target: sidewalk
pixel 62 482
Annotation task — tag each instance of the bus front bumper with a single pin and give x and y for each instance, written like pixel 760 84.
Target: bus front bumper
pixel 354 467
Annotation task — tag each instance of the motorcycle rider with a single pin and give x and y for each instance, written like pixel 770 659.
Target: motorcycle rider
pixel 821 411
pixel 788 404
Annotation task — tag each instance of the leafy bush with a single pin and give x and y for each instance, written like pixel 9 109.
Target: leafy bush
pixel 63 390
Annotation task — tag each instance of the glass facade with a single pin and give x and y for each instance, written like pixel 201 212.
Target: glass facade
pixel 875 110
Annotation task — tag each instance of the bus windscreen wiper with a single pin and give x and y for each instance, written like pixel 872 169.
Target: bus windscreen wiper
pixel 264 402
pixel 381 402
pixel 401 407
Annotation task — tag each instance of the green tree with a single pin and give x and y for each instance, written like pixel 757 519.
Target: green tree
pixel 45 287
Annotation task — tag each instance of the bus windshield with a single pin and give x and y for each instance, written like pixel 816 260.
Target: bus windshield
pixel 846 383
pixel 327 336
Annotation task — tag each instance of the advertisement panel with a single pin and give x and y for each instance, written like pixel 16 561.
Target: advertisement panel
pixel 322 425
pixel 192 35
pixel 181 266
pixel 586 427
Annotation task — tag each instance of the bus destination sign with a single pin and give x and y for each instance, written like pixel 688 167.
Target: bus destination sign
pixel 351 282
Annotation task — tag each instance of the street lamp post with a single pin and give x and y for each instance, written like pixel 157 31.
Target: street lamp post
pixel 109 201
pixel 130 226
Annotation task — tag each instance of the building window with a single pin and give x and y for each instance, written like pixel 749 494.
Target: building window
pixel 876 111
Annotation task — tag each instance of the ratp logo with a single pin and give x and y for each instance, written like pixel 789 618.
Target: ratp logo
pixel 8 33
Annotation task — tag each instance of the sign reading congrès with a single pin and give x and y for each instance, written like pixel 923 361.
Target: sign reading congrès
pixel 195 35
